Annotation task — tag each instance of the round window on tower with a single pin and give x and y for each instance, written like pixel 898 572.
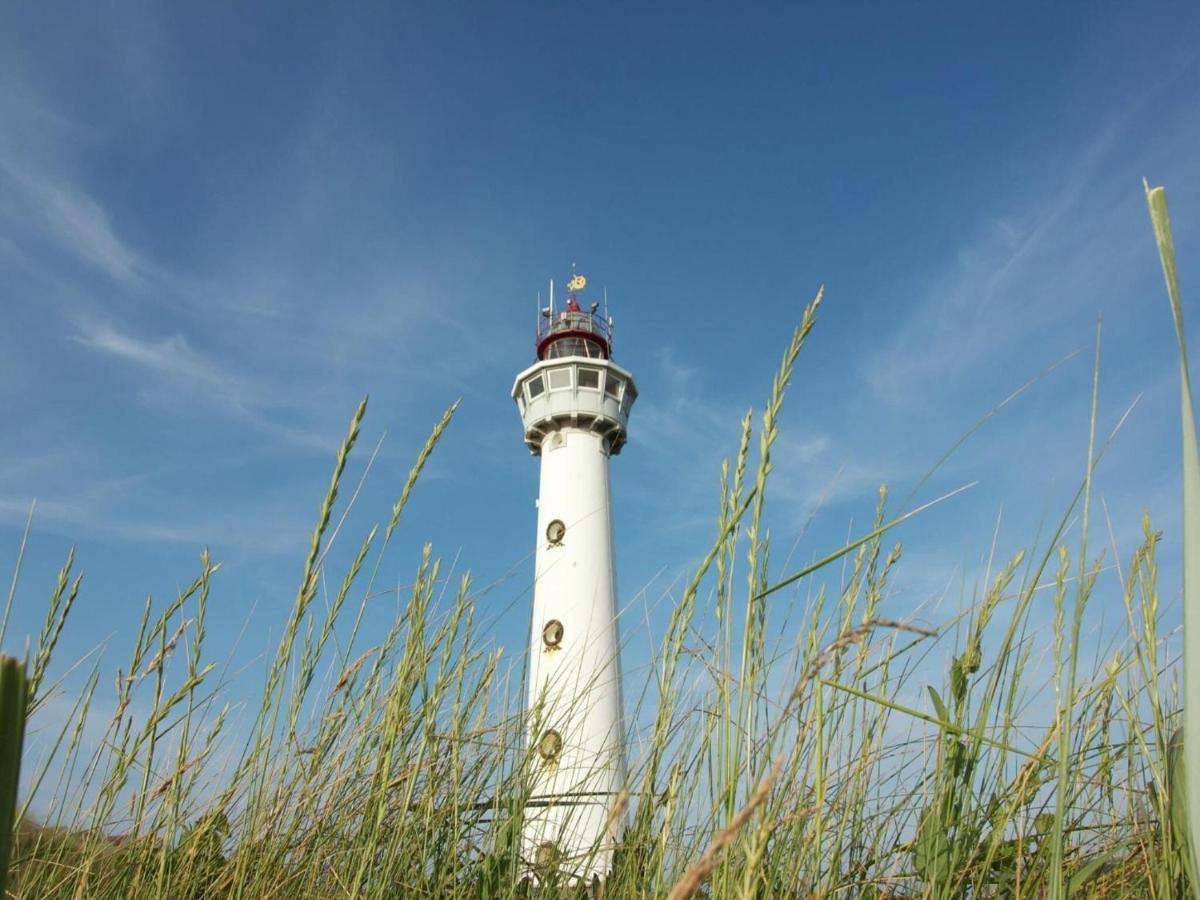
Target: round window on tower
pixel 549 745
pixel 552 634
pixel 546 857
pixel 556 531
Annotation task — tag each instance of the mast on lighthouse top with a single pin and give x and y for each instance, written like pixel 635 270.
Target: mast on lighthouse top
pixel 574 383
pixel 574 332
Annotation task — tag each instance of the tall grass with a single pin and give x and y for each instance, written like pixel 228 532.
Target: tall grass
pixel 795 741
pixel 14 695
pixel 1185 793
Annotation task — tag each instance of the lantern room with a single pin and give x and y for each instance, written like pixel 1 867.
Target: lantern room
pixel 574 331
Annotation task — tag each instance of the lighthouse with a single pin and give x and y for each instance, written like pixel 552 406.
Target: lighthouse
pixel 574 403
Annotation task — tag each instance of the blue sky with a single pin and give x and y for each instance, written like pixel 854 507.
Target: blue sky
pixel 221 227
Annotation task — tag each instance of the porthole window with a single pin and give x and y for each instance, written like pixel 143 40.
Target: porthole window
pixel 589 378
pixel 556 531
pixel 552 634
pixel 549 745
pixel 559 378
pixel 535 386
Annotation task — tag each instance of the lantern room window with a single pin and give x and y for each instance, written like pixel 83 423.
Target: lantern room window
pixel 559 378
pixel 534 387
pixel 574 346
pixel 613 385
pixel 589 378
pixel 630 396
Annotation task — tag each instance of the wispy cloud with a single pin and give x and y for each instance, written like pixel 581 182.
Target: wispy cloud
pixel 1050 258
pixel 174 366
pixel 813 472
pixel 85 517
pixel 110 510
pixel 68 217
pixel 172 356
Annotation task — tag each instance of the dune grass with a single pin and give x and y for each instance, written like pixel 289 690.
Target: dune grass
pixel 1185 793
pixel 791 740
pixel 14 696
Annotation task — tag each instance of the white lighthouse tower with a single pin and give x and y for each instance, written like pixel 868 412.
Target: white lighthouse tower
pixel 574 404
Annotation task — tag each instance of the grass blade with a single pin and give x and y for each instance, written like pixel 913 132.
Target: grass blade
pixel 1156 199
pixel 13 696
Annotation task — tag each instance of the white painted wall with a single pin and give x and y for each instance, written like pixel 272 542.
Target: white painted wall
pixel 576 688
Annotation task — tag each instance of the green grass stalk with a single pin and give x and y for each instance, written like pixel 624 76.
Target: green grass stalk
pixel 1160 219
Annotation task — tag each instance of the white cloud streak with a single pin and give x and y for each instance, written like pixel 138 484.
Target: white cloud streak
pixel 1036 263
pixel 71 219
pixel 179 370
pixel 171 357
